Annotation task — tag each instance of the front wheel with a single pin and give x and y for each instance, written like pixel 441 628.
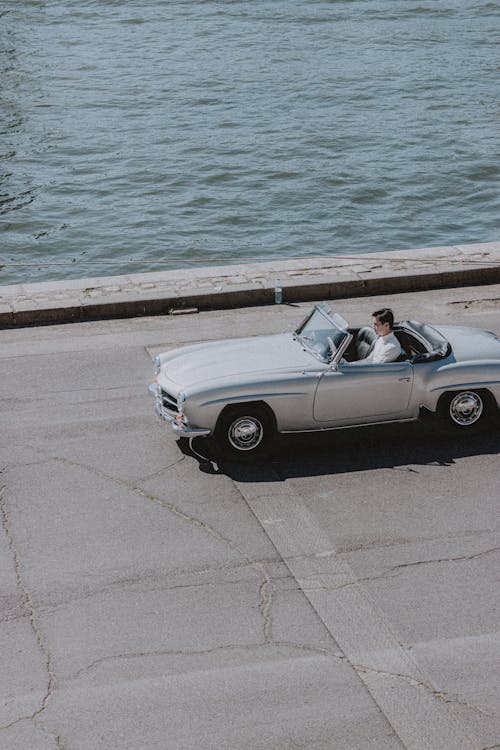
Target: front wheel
pixel 245 432
pixel 464 411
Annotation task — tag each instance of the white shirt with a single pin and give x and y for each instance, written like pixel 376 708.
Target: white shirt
pixel 387 349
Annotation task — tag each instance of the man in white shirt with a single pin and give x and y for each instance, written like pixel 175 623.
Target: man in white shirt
pixel 387 347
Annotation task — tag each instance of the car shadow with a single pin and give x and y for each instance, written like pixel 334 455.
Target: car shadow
pixel 356 449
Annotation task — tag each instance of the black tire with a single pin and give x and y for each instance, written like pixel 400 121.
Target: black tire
pixel 245 432
pixel 465 411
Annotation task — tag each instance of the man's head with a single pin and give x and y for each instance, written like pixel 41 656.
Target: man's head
pixel 383 321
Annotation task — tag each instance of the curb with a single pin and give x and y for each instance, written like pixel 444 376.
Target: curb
pixel 248 285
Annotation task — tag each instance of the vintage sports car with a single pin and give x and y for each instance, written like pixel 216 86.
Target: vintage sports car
pixel 240 392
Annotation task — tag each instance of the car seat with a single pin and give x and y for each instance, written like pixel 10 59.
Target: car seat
pixel 365 341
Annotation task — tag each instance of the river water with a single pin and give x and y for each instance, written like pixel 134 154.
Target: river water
pixel 155 134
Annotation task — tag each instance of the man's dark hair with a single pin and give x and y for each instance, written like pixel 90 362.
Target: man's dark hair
pixel 385 315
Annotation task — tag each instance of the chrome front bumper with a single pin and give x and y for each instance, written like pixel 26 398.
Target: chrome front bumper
pixel 181 428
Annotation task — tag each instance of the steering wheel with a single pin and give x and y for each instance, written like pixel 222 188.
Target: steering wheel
pixel 332 347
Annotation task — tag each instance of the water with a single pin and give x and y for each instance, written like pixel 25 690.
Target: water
pixel 170 133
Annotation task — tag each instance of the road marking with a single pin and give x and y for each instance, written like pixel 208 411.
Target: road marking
pixel 412 704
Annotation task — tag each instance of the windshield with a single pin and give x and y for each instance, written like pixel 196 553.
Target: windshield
pixel 322 334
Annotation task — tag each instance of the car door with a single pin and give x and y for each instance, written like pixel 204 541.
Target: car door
pixel 363 392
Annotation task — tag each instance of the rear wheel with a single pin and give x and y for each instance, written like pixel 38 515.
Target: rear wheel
pixel 466 410
pixel 245 432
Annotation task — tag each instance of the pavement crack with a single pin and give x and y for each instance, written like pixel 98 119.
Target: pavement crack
pixel 265 588
pixel 312 649
pixel 159 472
pixel 363 669
pixel 421 685
pixel 460 558
pixel 16 721
pixel 28 606
pixel 397 568
pixel 164 652
pixel 155 581
pixel 418 563
pixel 59 742
pixel 183 515
pixel 471 706
pixel 134 487
pixel 266 601
pixel 204 652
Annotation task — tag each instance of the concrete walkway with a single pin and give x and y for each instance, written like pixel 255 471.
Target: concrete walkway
pixel 245 285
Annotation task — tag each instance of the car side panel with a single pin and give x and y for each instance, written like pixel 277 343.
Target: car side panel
pixel 290 398
pixel 364 392
pixel 435 378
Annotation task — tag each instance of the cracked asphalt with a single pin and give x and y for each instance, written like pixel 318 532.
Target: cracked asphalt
pixel 343 595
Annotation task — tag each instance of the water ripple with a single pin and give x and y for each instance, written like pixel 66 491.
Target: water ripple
pixel 221 129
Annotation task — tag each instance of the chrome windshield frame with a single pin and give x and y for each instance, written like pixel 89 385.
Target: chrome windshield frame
pixel 338 325
pixel 335 360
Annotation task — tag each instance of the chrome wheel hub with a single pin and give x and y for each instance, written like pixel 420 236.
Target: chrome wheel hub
pixel 466 408
pixel 245 433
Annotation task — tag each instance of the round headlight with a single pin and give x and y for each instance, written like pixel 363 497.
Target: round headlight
pixel 157 364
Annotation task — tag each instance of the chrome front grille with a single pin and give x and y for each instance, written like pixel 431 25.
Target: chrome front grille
pixel 168 401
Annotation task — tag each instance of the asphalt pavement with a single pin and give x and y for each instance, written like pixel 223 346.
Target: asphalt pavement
pixel 341 596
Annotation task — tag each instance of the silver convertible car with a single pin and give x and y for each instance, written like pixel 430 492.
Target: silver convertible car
pixel 240 392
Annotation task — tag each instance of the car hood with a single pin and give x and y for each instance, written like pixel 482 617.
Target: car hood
pixel 235 357
pixel 471 343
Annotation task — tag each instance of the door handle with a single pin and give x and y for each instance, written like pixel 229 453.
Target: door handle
pixel 407 379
